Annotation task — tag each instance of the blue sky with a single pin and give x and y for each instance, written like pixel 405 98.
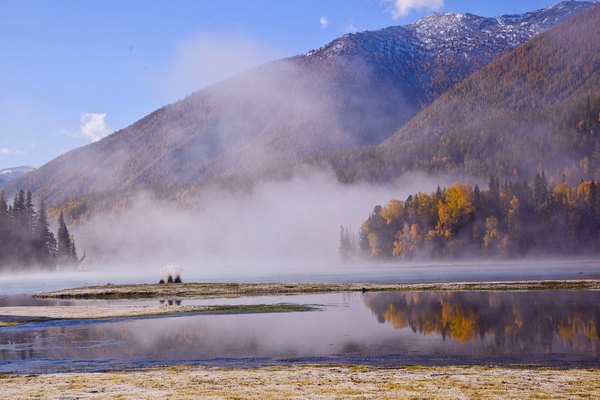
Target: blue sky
pixel 74 71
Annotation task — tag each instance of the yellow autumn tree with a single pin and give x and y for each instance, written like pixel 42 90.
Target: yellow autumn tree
pixel 456 209
pixel 393 211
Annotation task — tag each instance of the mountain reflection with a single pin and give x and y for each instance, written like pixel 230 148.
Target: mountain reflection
pixel 514 319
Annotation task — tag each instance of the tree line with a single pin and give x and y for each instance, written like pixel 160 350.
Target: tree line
pixel 507 220
pixel 26 241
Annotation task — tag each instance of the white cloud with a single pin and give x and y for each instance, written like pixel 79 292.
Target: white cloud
pixel 10 152
pixel 92 127
pixel 350 28
pixel 324 21
pixel 401 8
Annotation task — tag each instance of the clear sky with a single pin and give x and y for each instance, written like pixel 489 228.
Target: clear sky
pixel 73 71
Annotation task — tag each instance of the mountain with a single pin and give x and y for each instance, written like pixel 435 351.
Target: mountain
pixel 355 91
pixel 10 174
pixel 537 107
pixel 440 50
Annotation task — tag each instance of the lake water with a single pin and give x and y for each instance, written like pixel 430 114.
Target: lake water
pixel 11 284
pixel 555 328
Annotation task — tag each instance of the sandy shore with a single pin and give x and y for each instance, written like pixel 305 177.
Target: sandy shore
pixel 317 382
pixel 117 311
pixel 203 290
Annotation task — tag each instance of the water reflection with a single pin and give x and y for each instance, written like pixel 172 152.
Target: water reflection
pixel 515 320
pixel 25 300
pixel 553 328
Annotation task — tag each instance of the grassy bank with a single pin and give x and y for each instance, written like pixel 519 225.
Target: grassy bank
pixel 254 289
pixel 33 314
pixel 300 382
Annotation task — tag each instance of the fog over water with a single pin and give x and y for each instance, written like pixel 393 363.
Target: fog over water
pixel 278 227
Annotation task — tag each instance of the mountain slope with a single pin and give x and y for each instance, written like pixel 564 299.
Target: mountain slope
pixel 355 91
pixel 10 174
pixel 536 107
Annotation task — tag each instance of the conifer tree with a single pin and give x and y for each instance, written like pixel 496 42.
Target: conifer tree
pixel 3 205
pixel 346 247
pixel 29 213
pixel 25 237
pixel 65 247
pixel 43 239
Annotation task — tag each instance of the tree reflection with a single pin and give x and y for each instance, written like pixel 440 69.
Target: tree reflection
pixel 514 319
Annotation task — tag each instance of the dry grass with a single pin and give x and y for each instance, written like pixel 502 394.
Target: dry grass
pixel 10 323
pixel 250 289
pixel 122 311
pixel 315 382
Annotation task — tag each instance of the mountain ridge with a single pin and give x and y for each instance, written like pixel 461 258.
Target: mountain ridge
pixel 10 174
pixel 535 108
pixel 357 90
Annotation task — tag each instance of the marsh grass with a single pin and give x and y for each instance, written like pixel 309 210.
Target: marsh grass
pixel 200 290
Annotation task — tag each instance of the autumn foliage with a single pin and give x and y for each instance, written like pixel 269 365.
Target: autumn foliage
pixel 516 219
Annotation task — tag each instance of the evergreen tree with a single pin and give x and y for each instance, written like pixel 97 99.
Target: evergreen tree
pixel 4 228
pixel 65 246
pixel 43 239
pixel 540 188
pixel 25 237
pixel 29 212
pixel 363 241
pixel 3 205
pixel 346 248
pixel 72 249
pixel 18 209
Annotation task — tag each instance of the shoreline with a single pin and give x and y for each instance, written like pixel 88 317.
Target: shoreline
pixel 211 290
pixel 35 314
pixel 320 381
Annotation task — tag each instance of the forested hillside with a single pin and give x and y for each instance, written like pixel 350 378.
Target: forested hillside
pixel 10 174
pixel 538 107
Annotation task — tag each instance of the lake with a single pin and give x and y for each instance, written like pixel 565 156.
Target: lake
pixel 553 328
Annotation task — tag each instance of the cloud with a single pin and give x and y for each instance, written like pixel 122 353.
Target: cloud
pixel 10 152
pixel 324 21
pixel 350 28
pixel 401 8
pixel 92 126
pixel 208 58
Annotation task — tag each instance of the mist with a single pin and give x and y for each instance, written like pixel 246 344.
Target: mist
pixel 206 58
pixel 277 226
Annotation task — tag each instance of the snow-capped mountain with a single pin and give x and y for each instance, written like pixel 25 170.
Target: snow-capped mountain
pixel 357 90
pixel 536 108
pixel 10 174
pixel 440 50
